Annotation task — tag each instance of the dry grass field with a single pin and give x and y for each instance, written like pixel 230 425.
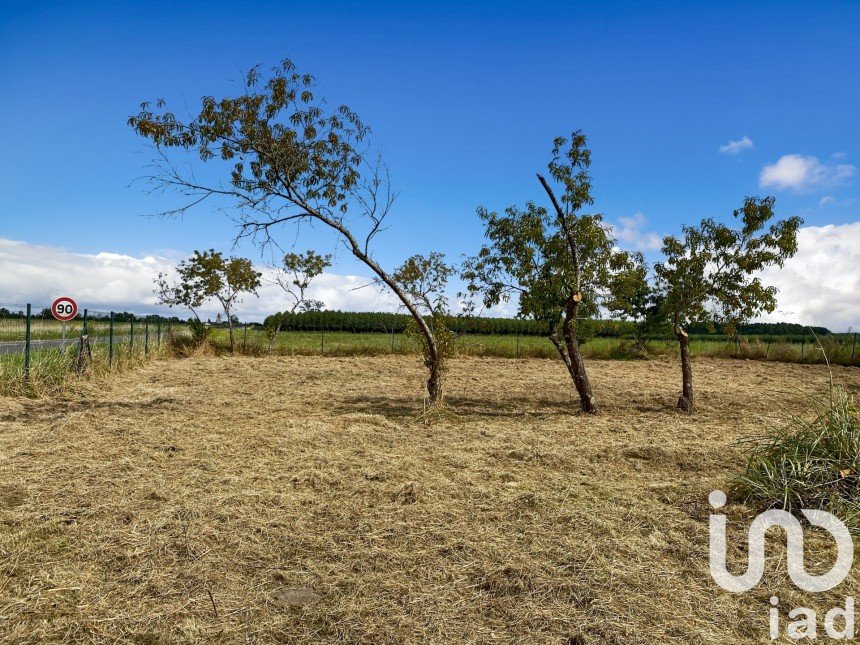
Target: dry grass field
pixel 303 499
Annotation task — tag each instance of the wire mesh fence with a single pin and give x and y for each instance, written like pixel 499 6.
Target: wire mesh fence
pixel 40 352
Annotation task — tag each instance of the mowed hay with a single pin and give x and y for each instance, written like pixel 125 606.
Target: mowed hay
pixel 302 499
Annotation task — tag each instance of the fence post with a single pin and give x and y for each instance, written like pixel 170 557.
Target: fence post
pixel 146 335
pixel 85 352
pixel 803 342
pixel 767 353
pixel 110 342
pixel 158 330
pixel 392 340
pixel 245 339
pixel 131 337
pixel 27 345
pixel 85 333
pixel 853 346
pixel 518 345
pixel 322 340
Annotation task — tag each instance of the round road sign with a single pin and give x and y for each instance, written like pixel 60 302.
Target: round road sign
pixel 64 308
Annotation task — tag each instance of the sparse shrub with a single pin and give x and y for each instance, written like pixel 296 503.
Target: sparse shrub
pixel 445 339
pixel 271 327
pixel 253 348
pixel 186 346
pixel 424 280
pixel 627 350
pixel 809 464
pixel 200 331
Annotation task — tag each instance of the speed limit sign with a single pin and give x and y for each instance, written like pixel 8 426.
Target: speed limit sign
pixel 64 308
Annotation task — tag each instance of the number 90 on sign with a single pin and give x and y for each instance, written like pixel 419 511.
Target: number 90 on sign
pixel 64 309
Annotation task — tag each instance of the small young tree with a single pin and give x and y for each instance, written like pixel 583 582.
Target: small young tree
pixel 288 159
pixel 633 297
pixel 425 279
pixel 294 276
pixel 206 276
pixel 557 262
pixel 709 275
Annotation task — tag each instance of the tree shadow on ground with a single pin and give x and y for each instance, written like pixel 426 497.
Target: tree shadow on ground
pixel 457 406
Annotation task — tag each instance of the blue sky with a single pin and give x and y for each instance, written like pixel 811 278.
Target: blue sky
pixel 464 100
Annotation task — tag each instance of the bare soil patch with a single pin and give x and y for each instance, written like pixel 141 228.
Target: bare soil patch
pixel 302 499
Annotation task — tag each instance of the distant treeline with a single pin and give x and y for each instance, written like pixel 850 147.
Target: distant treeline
pixel 358 322
pixel 396 323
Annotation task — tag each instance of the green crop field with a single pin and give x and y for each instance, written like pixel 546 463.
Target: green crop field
pixel 838 347
pixel 15 329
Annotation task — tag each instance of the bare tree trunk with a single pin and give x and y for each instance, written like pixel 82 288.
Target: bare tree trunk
pixel 434 383
pixel 273 337
pixel 577 370
pixel 580 379
pixel 686 401
pixel 572 358
pixel 434 360
pixel 565 357
pixel 230 328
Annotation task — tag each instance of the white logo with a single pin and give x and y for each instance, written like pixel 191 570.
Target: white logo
pixel 794 539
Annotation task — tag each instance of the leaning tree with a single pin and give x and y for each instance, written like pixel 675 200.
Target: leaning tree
pixel 286 157
pixel 555 261
pixel 711 275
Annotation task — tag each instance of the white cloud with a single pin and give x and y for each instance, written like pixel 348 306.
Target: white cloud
pixel 343 292
pixel 827 199
pixel 803 172
pixel 38 274
pixel 111 281
pixel 629 230
pixel 820 285
pixel 736 147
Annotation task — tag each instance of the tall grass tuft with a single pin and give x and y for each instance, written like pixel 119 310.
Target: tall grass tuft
pixel 809 464
pixel 53 371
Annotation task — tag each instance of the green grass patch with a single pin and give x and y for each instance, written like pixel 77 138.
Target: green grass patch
pixel 343 343
pixel 54 369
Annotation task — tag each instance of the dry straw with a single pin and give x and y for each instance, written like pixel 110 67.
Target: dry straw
pixel 299 499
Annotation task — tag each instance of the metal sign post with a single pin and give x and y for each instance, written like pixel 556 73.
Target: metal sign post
pixel 64 309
